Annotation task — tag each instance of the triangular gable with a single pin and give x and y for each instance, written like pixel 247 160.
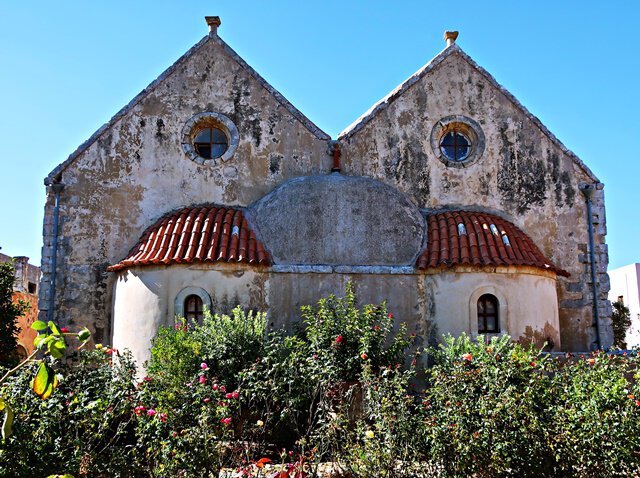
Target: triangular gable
pixel 362 121
pixel 306 122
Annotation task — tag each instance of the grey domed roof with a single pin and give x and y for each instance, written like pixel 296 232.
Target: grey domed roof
pixel 339 220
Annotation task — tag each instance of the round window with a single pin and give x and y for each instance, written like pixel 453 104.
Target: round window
pixel 208 137
pixel 455 146
pixel 457 141
pixel 210 143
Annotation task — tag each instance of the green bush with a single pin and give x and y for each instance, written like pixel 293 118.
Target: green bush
pixel 85 427
pixel 227 394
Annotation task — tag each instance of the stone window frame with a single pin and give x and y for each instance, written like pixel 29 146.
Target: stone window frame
pixel 178 304
pixel 469 128
pixel 209 119
pixel 503 311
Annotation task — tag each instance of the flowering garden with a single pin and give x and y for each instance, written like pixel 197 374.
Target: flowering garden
pixel 347 395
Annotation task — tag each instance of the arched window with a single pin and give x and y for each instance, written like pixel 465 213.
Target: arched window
pixel 193 308
pixel 488 316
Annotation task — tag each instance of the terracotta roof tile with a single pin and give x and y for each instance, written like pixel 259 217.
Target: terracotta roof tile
pixel 197 234
pixel 472 238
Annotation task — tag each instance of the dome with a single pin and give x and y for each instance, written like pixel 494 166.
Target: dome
pixel 339 220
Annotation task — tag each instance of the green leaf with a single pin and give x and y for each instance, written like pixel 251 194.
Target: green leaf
pixel 45 381
pixel 39 325
pixel 7 422
pixel 57 348
pixel 39 341
pixel 84 335
pixel 53 328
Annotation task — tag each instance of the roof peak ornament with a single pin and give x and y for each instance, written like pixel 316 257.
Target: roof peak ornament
pixel 450 37
pixel 213 22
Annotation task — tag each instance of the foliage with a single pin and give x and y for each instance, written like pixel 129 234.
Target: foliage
pixel 620 322
pixel 232 397
pixel 227 343
pixel 9 313
pixel 84 428
pixel 502 409
pixel 300 379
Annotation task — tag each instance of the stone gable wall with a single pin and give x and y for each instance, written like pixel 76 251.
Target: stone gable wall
pixel 522 175
pixel 136 171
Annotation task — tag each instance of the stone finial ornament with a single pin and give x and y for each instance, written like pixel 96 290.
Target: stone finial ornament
pixel 214 23
pixel 450 37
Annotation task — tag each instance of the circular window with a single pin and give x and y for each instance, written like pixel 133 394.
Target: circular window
pixel 210 143
pixel 457 141
pixel 455 146
pixel 209 137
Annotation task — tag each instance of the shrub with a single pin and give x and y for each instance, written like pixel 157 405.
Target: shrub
pixel 84 428
pixel 227 343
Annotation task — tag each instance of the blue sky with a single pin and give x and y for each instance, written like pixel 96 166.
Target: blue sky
pixel 67 67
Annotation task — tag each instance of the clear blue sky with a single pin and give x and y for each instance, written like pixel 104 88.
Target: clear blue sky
pixel 68 67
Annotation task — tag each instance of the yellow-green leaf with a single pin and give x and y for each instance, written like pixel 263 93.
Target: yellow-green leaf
pixel 39 325
pixel 53 328
pixel 45 381
pixel 7 422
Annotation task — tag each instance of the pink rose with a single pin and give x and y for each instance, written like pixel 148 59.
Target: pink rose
pixel 203 379
pixel 235 395
pixel 339 339
pixel 204 366
pixel 151 412
pixel 214 386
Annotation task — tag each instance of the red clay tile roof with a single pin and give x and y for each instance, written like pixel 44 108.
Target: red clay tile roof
pixel 457 238
pixel 197 234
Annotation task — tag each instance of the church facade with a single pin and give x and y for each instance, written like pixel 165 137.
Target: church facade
pixel 447 198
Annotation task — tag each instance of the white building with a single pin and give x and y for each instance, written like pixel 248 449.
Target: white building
pixel 625 285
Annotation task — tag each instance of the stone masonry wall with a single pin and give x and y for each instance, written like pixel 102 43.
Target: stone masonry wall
pixel 524 175
pixel 134 170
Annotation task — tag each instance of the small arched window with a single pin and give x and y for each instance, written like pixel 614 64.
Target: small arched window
pixel 193 308
pixel 488 317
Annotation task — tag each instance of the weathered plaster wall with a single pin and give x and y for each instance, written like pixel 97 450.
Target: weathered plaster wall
pixel 135 171
pixel 430 304
pixel 528 303
pixel 144 298
pixel 523 175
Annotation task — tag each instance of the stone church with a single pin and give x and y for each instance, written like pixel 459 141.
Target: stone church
pixel 209 189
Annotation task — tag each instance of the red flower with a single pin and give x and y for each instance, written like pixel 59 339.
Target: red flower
pixel 223 389
pixel 203 379
pixel 638 403
pixel 235 395
pixel 214 386
pixel 228 395
pixel 591 361
pixel 533 364
pixel 64 330
pixel 206 400
pixel 162 417
pixel 339 339
pixel 376 327
pixel 468 357
pixel 364 356
pixel 226 421
pixel 390 315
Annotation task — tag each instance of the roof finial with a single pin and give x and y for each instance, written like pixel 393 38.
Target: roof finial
pixel 450 37
pixel 214 23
